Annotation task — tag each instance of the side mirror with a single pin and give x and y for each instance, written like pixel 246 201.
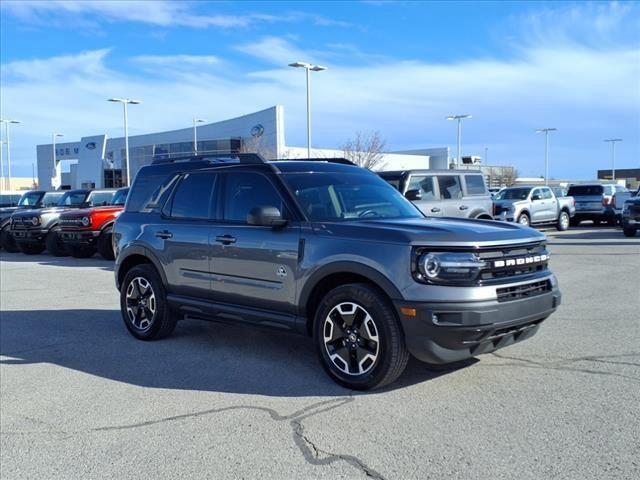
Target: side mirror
pixel 413 194
pixel 266 216
pixel 536 197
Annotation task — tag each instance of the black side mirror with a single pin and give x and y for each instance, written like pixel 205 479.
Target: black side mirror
pixel 536 197
pixel 266 216
pixel 413 194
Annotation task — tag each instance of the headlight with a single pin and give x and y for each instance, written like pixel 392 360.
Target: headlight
pixel 444 267
pixel 35 221
pixel 86 221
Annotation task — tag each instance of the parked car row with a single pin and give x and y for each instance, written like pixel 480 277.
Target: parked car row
pixel 73 222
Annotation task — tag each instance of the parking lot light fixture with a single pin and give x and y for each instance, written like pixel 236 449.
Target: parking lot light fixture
pixel 459 118
pixel 8 122
pixel 309 68
pixel 546 151
pixel 125 102
pixel 196 121
pixel 613 142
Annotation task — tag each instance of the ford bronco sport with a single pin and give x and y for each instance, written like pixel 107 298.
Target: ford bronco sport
pixel 329 250
pixel 85 231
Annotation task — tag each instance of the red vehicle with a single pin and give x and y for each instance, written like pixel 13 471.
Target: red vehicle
pixel 83 232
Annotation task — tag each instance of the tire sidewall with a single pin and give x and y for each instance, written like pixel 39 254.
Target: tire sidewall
pixel 54 245
pixel 381 313
pixel 149 273
pixel 562 226
pixel 524 215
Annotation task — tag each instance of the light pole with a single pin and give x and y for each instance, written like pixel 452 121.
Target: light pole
pixel 459 118
pixel 486 155
pixel 546 151
pixel 309 68
pixel 613 155
pixel 55 135
pixel 7 122
pixel 195 133
pixel 125 102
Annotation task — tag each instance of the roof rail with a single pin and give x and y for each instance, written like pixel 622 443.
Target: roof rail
pixel 253 158
pixel 341 160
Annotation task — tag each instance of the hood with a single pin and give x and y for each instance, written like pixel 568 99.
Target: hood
pixel 433 232
pixel 33 212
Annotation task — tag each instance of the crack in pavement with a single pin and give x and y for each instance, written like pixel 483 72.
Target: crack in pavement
pixel 312 454
pixel 565 364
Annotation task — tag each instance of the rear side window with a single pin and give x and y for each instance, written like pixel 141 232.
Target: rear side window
pixel 193 196
pixel 584 190
pixel 475 185
pixel 425 184
pixel 546 193
pixel 245 191
pixel 449 187
pixel 149 192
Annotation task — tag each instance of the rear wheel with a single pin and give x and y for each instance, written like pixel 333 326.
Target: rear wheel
pixel 629 231
pixel 105 247
pixel 563 221
pixel 358 337
pixel 54 245
pixel 84 251
pixel 524 220
pixel 143 304
pixel 30 248
pixel 7 241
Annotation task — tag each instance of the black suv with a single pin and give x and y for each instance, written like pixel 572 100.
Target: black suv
pixel 326 249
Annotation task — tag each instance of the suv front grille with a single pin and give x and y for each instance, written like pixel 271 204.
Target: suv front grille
pixel 509 262
pixel 20 223
pixel 71 222
pixel 518 292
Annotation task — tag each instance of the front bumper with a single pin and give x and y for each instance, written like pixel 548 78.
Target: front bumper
pixel 453 331
pixel 79 237
pixel 31 235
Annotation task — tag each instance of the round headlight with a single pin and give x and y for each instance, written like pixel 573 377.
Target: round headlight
pixel 430 266
pixel 35 220
pixel 86 221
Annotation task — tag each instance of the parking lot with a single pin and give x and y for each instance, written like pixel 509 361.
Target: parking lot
pixel 80 398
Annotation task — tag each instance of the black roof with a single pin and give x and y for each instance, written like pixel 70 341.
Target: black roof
pixel 320 165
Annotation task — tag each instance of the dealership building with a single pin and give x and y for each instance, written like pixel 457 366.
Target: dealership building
pixel 97 161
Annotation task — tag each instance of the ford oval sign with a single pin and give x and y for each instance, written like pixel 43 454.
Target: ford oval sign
pixel 257 131
pixel 91 145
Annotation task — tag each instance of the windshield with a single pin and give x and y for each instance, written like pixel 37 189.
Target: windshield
pixel 338 197
pixel 72 199
pixel 120 197
pixel 51 198
pixel 9 199
pixel 30 199
pixel 513 194
pixel 393 180
pixel 101 199
pixel 584 190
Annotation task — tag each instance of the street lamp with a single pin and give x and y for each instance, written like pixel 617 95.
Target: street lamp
pixel 7 122
pixel 459 118
pixel 309 68
pixel 125 102
pixel 546 151
pixel 195 133
pixel 613 155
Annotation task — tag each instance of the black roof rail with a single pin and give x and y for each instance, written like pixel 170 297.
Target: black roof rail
pixel 340 160
pixel 252 158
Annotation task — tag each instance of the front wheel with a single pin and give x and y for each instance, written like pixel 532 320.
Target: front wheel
pixel 54 245
pixel 8 242
pixel 524 220
pixel 629 231
pixel 563 221
pixel 358 337
pixel 143 304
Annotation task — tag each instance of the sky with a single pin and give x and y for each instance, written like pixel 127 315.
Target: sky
pixel 399 68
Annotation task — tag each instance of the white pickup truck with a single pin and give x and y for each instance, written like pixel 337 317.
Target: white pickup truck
pixel 533 206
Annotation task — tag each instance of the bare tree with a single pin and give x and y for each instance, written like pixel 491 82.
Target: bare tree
pixel 365 150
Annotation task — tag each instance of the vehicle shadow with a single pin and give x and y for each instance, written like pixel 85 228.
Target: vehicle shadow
pixel 610 237
pixel 45 259
pixel 204 356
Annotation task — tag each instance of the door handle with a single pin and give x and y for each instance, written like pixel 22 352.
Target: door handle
pixel 164 234
pixel 435 209
pixel 463 207
pixel 225 239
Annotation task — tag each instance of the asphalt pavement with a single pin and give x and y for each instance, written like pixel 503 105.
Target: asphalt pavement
pixel 81 398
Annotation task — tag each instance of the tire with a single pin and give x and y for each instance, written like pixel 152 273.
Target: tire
pixel 105 247
pixel 84 251
pixel 629 231
pixel 8 242
pixel 563 221
pixel 524 219
pixel 377 344
pixel 162 321
pixel 54 245
pixel 30 248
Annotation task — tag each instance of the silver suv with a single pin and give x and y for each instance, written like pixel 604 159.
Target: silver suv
pixel 444 193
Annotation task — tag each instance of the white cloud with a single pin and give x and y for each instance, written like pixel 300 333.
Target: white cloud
pixel 277 51
pixel 189 61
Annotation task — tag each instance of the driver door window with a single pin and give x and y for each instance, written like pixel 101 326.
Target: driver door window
pixel 425 184
pixel 245 191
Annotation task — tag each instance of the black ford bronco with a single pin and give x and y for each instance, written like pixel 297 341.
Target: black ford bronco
pixel 329 250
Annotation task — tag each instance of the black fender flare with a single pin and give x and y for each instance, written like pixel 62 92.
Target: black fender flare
pixel 109 224
pixel 140 250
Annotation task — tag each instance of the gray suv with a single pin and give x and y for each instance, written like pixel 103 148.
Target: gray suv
pixel 329 250
pixel 444 193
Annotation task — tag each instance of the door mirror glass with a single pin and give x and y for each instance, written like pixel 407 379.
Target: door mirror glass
pixel 267 216
pixel 413 194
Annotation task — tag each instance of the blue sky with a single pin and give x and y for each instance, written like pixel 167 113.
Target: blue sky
pixel 396 67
